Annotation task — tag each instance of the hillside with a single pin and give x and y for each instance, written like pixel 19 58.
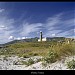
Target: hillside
pixel 52 53
pixel 35 40
pixel 31 48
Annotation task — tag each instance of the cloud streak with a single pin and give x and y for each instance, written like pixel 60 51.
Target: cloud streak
pixel 29 28
pixel 1 10
pixel 53 26
pixel 59 26
pixel 6 28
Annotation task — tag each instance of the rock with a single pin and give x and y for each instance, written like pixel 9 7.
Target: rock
pixel 14 63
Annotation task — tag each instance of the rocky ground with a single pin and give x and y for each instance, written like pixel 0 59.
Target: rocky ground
pixel 14 63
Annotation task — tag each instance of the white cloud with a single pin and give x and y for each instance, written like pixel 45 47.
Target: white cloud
pixel 74 30
pixel 18 38
pixel 70 33
pixel 53 34
pixel 1 10
pixel 11 38
pixel 54 26
pixel 23 37
pixel 59 26
pixel 54 20
pixel 2 27
pixel 49 33
pixel 29 28
pixel 6 28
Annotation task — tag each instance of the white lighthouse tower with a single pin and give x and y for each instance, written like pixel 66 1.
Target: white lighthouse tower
pixel 40 35
pixel 41 38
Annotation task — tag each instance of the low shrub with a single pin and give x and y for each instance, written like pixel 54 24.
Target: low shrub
pixel 52 57
pixel 25 56
pixel 29 62
pixel 71 64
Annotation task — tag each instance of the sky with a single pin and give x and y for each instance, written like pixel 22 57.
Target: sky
pixel 19 20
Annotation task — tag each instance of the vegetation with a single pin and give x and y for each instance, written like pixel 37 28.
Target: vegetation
pixel 57 52
pixel 29 62
pixel 71 64
pixel 51 57
pixel 50 50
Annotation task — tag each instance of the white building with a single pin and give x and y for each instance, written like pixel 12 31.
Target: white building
pixel 43 39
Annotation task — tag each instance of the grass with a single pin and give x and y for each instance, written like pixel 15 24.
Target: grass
pixel 28 48
pixel 56 52
pixel 51 51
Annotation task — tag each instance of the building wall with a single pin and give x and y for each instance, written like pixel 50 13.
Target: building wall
pixel 43 39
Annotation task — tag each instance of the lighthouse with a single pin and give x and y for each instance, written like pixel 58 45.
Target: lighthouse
pixel 40 35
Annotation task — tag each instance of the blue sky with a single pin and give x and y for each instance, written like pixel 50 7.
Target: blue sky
pixel 27 19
